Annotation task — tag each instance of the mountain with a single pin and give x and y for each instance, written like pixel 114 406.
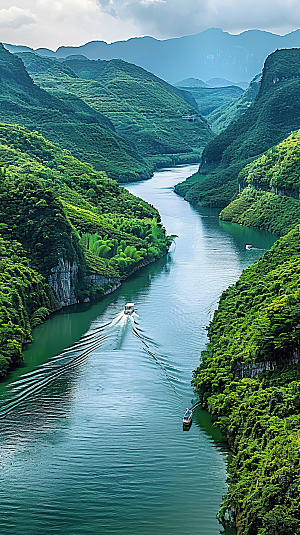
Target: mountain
pixel 211 99
pixel 270 190
pixel 86 132
pixel 144 110
pixel 68 234
pixel 191 82
pixel 209 54
pixel 221 82
pixel 222 116
pixel 272 116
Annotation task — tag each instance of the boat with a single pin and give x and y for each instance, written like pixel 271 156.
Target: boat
pixel 249 246
pixel 129 308
pixel 187 419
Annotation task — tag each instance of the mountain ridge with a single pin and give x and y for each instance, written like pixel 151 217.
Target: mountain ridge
pixel 233 57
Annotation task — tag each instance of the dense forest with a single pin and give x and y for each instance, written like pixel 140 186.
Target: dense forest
pixel 270 189
pixel 55 207
pixel 249 379
pixel 270 118
pixel 210 99
pixel 144 110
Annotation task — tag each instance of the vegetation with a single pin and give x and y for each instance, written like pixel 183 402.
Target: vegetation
pixel 249 380
pixel 54 206
pixel 87 133
pixel 221 117
pixel 271 118
pixel 25 301
pixel 210 99
pixel 270 198
pixel 144 109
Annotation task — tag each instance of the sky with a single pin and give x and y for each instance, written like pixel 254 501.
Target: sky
pixel 54 23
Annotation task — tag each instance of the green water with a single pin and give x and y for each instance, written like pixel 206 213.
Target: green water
pixel 95 445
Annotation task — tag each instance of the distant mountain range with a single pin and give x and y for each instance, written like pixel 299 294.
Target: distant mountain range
pixel 209 54
pixel 209 84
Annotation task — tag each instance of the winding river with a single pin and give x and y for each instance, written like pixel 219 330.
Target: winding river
pixel 91 439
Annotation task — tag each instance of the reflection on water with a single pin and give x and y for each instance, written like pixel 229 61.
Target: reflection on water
pixel 91 436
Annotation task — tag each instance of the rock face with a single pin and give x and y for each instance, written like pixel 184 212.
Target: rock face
pixel 107 285
pixel 61 281
pixel 251 371
pixel 63 277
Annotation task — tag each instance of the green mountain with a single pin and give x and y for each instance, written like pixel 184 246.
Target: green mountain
pixel 249 379
pixel 69 234
pixel 211 99
pixel 270 190
pixel 88 134
pixel 222 116
pixel 144 109
pixel 272 116
pixel 191 82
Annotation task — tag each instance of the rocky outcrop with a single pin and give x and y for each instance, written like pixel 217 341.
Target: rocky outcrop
pixel 61 280
pixel 103 284
pixel 64 276
pixel 251 371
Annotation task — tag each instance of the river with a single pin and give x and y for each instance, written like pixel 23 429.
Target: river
pixel 93 443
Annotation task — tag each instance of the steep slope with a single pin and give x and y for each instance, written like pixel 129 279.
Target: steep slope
pixel 144 109
pixel 249 380
pixel 69 121
pixel 270 190
pixel 221 117
pixel 211 99
pixel 209 54
pixel 63 225
pixel 273 115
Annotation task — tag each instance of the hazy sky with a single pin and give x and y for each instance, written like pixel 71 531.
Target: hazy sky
pixel 52 23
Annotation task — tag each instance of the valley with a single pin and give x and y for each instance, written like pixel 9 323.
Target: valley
pixel 75 246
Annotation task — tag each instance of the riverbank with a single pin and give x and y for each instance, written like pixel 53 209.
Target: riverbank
pixel 91 431
pixel 249 380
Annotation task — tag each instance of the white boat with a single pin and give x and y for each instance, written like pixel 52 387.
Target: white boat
pixel 249 246
pixel 187 419
pixel 129 308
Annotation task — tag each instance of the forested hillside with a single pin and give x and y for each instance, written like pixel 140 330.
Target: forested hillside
pixel 68 121
pixel 249 379
pixel 55 209
pixel 221 117
pixel 210 99
pixel 270 190
pixel 144 109
pixel 273 115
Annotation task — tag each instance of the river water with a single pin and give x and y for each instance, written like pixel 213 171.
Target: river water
pixel 91 439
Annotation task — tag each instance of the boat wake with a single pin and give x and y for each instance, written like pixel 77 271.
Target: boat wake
pixel 31 383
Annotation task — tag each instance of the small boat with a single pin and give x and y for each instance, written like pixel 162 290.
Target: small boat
pixel 129 308
pixel 249 246
pixel 187 419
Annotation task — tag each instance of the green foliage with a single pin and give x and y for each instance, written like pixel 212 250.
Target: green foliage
pixel 270 119
pixel 58 207
pixel 25 299
pixel 270 199
pixel 249 381
pixel 222 116
pixel 212 98
pixel 67 120
pixel 143 108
